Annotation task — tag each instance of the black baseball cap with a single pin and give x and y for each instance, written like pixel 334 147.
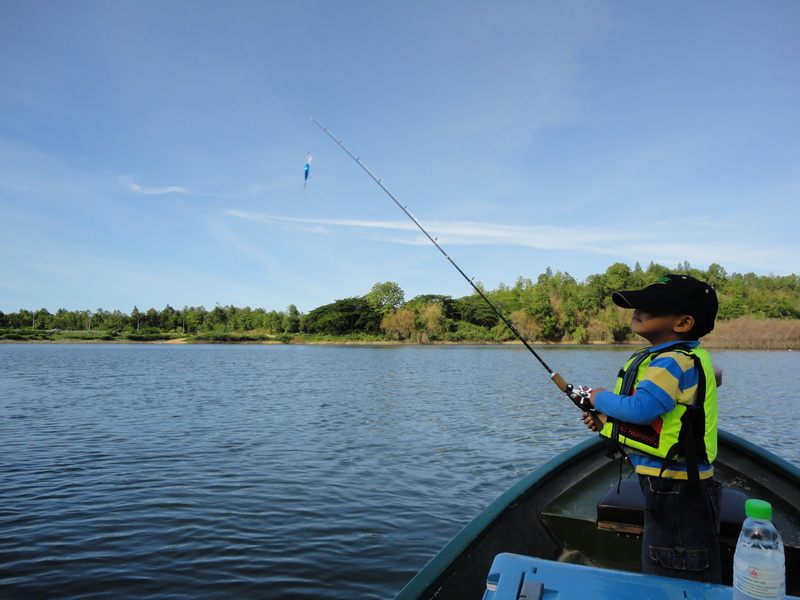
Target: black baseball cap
pixel 673 294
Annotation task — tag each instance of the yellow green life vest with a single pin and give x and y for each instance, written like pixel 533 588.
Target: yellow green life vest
pixel 667 436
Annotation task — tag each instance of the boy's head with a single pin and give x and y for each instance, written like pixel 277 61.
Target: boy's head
pixel 675 294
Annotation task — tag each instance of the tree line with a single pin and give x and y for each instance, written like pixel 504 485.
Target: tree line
pixel 553 308
pixel 189 320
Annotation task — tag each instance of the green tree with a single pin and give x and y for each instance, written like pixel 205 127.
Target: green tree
pixel 473 309
pixel 169 319
pixel 716 276
pixel 274 322
pixel 152 320
pixel 293 320
pixel 136 318
pixel 521 285
pixel 113 321
pixel 431 320
pixel 385 297
pixel 343 317
pixel 619 277
pixel 399 324
pixel 193 319
pixel 781 308
pixel 654 272
pixel 64 320
pixel 546 317
pixel 43 319
pixel 216 320
pixel 243 320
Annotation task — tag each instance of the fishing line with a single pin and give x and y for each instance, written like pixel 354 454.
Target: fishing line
pixel 578 396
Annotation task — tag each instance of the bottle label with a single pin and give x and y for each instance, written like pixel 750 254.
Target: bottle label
pixel 759 582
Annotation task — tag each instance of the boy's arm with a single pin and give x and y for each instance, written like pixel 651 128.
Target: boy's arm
pixel 654 395
pixel 641 408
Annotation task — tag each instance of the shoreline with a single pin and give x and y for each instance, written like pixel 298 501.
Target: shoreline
pixel 184 342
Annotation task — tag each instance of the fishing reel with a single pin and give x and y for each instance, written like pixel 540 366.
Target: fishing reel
pixel 581 396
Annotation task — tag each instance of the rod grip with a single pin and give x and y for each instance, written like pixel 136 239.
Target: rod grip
pixel 559 381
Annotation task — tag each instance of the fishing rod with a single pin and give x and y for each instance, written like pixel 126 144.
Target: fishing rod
pixel 580 395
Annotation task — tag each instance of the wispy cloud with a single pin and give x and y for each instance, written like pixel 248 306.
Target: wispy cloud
pixel 697 240
pixel 128 183
pixel 470 232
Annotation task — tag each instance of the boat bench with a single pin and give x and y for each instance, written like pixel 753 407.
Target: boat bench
pixel 623 511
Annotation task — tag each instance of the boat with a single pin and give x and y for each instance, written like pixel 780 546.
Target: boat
pixel 572 529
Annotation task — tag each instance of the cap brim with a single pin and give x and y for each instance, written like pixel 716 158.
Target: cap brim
pixel 644 300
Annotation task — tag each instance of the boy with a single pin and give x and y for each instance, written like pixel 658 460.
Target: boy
pixel 662 416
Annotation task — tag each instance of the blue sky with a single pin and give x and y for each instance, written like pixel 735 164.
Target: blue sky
pixel 152 153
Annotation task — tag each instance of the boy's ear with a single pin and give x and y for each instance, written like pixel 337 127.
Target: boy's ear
pixel 685 324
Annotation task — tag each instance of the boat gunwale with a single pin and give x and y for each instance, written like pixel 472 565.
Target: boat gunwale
pixel 763 456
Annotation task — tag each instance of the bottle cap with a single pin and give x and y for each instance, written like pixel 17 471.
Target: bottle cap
pixel 758 509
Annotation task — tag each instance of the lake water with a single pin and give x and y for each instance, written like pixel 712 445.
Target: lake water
pixel 205 471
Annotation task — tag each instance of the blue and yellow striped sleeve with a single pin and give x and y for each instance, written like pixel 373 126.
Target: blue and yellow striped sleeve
pixel 671 377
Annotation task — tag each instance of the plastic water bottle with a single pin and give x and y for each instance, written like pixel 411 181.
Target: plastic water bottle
pixel 759 569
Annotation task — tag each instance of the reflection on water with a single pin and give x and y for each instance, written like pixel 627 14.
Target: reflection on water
pixel 286 471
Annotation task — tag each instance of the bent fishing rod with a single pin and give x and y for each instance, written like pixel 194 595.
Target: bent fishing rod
pixel 579 395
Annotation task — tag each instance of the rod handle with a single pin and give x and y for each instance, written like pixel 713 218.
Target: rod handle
pixel 559 381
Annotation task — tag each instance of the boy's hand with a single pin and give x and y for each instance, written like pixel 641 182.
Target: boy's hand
pixel 594 393
pixel 591 421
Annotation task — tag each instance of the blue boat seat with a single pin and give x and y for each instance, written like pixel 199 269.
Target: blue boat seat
pixel 621 509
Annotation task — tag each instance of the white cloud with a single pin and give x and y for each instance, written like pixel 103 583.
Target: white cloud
pixel 128 183
pixel 469 232
pixel 698 240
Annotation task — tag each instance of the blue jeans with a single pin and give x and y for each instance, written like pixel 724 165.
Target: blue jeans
pixel 681 529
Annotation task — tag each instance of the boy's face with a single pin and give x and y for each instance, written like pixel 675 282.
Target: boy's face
pixel 660 329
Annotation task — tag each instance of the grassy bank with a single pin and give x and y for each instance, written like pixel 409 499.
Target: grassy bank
pixel 748 333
